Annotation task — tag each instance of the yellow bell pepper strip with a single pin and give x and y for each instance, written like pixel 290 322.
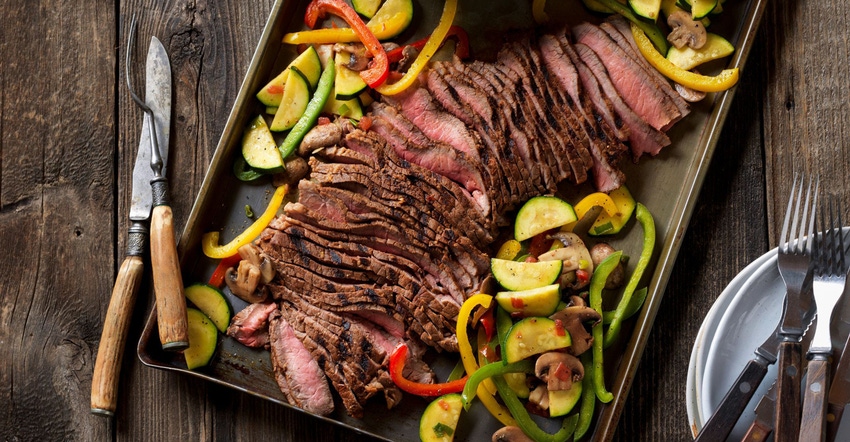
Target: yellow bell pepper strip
pixel 649 28
pixel 468 358
pixel 524 421
pixel 509 250
pixel 648 224
pixel 490 370
pixel 392 19
pixel 397 361
pixel 538 11
pixel 588 398
pixel 597 283
pixel 209 242
pixel 379 67
pixel 703 83
pixel 428 51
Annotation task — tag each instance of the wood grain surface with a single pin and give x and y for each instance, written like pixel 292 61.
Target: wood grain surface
pixel 68 136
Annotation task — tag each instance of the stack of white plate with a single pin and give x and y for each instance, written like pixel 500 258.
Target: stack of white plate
pixel 742 317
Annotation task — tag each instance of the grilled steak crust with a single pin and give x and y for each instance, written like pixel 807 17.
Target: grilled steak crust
pixel 393 226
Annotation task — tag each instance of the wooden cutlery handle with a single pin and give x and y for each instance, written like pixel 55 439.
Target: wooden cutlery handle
pixel 813 420
pixel 110 352
pixel 758 432
pixel 787 416
pixel 168 281
pixel 724 418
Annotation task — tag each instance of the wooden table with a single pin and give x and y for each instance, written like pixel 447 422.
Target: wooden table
pixel 68 137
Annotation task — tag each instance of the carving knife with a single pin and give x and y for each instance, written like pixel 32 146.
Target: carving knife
pixel 117 321
pixel 167 279
pixel 762 426
pixel 839 390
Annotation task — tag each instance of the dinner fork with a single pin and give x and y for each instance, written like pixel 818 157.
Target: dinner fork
pixel 793 263
pixel 830 273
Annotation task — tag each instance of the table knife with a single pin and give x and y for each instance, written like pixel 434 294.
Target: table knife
pixel 167 279
pixel 723 420
pixel 117 321
pixel 839 390
pixel 789 361
pixel 762 425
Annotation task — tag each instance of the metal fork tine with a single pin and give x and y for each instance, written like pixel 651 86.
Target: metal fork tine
pixel 808 229
pixel 783 240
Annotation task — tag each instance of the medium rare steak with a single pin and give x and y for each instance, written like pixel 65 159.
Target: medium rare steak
pixel 393 226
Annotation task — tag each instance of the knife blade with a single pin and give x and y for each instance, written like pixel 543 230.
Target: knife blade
pixel 104 395
pixel 723 420
pixel 167 278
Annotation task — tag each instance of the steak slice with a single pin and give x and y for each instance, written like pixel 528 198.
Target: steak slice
pixel 251 325
pixel 643 138
pixel 633 83
pixel 299 376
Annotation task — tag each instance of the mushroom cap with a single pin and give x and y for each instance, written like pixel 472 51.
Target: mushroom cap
pixel 573 318
pixel 559 370
pixel 686 31
pixel 510 434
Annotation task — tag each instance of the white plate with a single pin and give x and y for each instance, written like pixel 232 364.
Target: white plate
pixel 748 320
pixel 705 335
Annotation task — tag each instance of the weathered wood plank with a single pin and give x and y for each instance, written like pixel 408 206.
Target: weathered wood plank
pixel 57 225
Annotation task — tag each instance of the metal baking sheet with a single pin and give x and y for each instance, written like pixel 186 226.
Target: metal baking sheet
pixel 667 184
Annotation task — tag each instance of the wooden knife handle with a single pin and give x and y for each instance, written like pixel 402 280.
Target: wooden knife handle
pixel 813 420
pixel 758 432
pixel 834 413
pixel 787 415
pixel 724 418
pixel 168 281
pixel 110 352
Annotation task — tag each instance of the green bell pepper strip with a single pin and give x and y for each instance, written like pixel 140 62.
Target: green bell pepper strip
pixel 634 305
pixel 588 398
pixel 311 114
pixel 524 421
pixel 489 371
pixel 243 171
pixel 648 224
pixel 597 283
pixel 503 326
pixel 650 28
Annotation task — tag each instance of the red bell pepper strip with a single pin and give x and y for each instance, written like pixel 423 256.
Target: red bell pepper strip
pixel 379 68
pixel 397 361
pixel 217 278
pixel 461 49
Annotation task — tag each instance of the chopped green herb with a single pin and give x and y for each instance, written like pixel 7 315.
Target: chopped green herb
pixel 442 429
pixel 248 211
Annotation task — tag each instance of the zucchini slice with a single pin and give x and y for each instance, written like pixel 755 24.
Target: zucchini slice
pixel 389 10
pixel 646 8
pixel 344 108
pixel 296 95
pixel 211 301
pixel 203 337
pixel 439 420
pixel 260 149
pixel 533 336
pixel 366 8
pixel 688 58
pixel 348 83
pixel 540 214
pixel 308 64
pixel 541 301
pixel 520 275
pixel 617 208
pixel 271 94
pixel 562 402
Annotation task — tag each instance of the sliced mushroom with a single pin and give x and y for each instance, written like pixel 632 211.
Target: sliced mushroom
pixel 686 31
pixel 243 282
pixel 322 135
pixel 689 94
pixel 359 59
pixel 510 434
pixel 539 397
pixel 599 252
pixel 575 256
pixel 558 370
pixel 572 319
pixel 251 253
pixel 578 301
